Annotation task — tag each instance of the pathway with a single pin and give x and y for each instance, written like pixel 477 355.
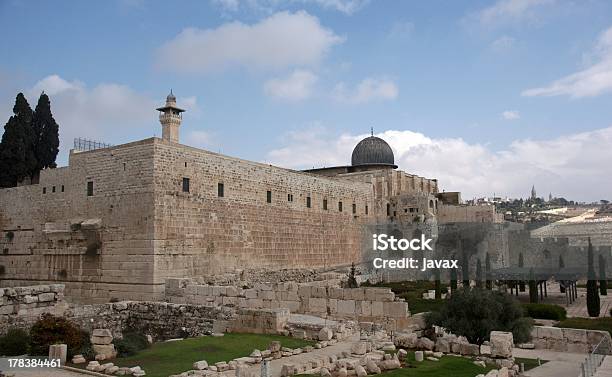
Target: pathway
pixel 560 364
pixel 605 369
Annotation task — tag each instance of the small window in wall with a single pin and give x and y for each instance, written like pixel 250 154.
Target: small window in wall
pixel 44 190
pixel 388 209
pixel 185 163
pixel 308 204
pixel 269 196
pixel 185 184
pixel 289 197
pixel 124 166
pixel 62 188
pixel 53 189
pixel 220 190
pixel 366 209
pixel 354 208
pixel 90 188
pixel 339 206
pixel 325 204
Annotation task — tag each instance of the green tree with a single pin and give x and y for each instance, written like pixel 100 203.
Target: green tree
pixel 603 280
pixel 474 313
pixel 465 270
pixel 561 266
pixel 521 264
pixel 352 278
pixel 593 304
pixel 17 159
pixel 46 131
pixel 478 274
pixel 489 283
pixel 533 288
pixel 453 278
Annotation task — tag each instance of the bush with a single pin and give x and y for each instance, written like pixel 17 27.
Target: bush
pixel 14 343
pixel 545 311
pixel 130 344
pixel 86 348
pixel 474 313
pixel 53 330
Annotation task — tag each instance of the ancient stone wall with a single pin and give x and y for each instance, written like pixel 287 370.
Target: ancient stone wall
pixel 363 304
pixel 567 340
pixel 263 218
pixel 22 306
pixel 100 245
pixel 468 214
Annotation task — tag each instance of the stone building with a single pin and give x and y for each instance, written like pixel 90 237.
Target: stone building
pixel 118 221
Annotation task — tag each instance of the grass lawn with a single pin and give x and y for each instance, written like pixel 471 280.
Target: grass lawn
pixel 603 323
pixel 166 358
pixel 447 366
pixel 529 363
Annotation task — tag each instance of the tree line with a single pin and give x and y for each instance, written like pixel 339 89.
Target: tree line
pixel 30 142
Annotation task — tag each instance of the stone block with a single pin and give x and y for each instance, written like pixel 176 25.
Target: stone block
pixel 58 351
pixel 46 297
pixel 304 291
pixel 377 309
pixel 468 349
pixel 501 344
pixel 346 307
pixel 325 334
pixel 318 292
pixel 107 350
pixel 575 335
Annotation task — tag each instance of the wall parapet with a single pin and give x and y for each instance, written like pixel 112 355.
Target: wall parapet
pixel 567 340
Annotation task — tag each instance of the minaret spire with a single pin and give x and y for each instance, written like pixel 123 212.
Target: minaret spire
pixel 371 131
pixel 170 118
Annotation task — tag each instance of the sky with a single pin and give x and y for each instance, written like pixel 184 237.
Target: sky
pixel 489 97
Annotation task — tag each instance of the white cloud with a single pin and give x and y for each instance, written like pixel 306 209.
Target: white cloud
pixel 510 11
pixel 591 81
pixel 574 166
pixel 511 115
pixel 343 6
pixel 503 43
pixel 297 86
pixel 369 89
pixel 281 40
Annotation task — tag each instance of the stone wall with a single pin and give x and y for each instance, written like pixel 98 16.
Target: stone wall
pixel 364 304
pixel 161 320
pixel 22 306
pixel 567 340
pixel 260 321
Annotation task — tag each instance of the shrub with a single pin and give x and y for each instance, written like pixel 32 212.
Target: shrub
pixel 474 313
pixel 545 311
pixel 86 348
pixel 130 344
pixel 52 330
pixel 14 343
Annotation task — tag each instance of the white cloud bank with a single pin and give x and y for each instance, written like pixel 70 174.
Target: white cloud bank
pixel 574 166
pixel 344 6
pixel 589 82
pixel 369 89
pixel 282 40
pixel 299 85
pixel 511 115
pixel 505 12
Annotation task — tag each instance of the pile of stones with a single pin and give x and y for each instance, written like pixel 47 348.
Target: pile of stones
pixel 111 369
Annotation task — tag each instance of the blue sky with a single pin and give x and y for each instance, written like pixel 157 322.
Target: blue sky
pixel 486 96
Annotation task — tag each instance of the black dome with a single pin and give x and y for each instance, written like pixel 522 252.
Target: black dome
pixel 372 151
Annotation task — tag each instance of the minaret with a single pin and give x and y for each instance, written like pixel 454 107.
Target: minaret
pixel 170 118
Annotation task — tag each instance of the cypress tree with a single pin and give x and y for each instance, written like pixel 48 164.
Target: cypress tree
pixel 438 284
pixel 478 274
pixel 603 280
pixel 465 270
pixel 17 159
pixel 46 131
pixel 453 279
pixel 489 283
pixel 561 266
pixel 533 288
pixel 593 304
pixel 521 263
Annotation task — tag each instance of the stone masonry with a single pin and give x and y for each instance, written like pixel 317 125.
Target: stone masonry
pixel 363 304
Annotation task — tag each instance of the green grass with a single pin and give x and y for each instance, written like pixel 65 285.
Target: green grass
pixel 603 323
pixel 529 363
pixel 447 366
pixel 166 358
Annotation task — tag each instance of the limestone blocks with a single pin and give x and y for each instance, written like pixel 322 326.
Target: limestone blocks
pixel 501 344
pixel 101 340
